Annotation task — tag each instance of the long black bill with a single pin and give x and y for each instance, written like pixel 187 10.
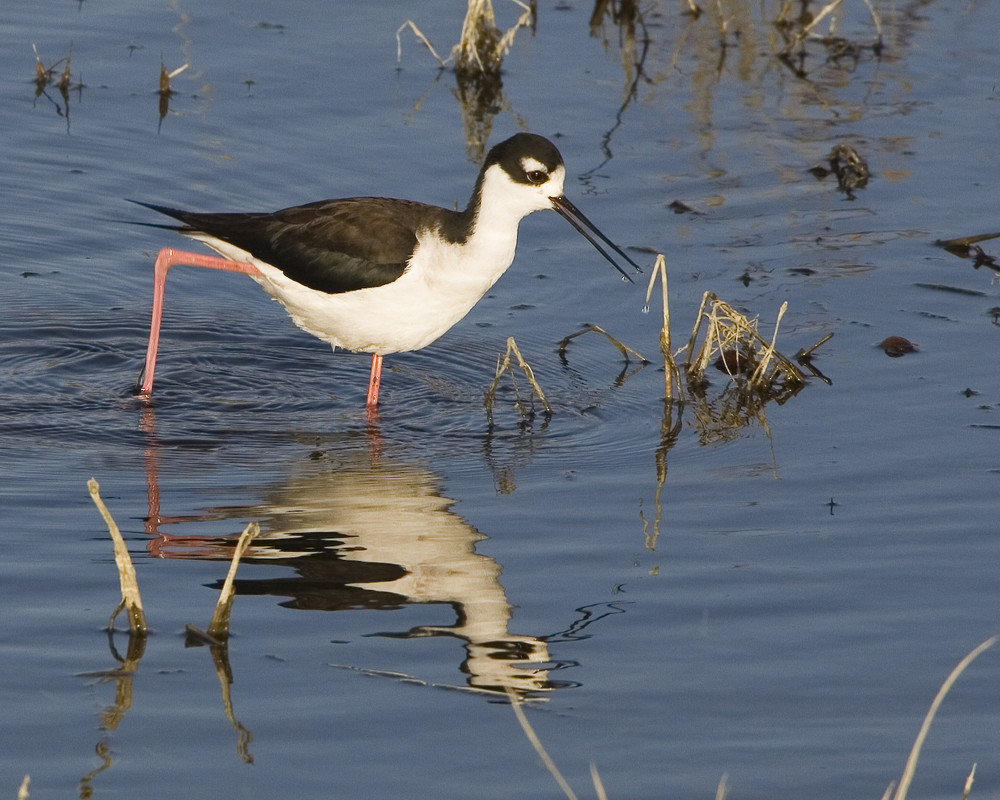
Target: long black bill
pixel 575 217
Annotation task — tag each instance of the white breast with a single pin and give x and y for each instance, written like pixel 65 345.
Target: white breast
pixel 439 287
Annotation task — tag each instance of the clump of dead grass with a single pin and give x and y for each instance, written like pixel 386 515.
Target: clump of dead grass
pixel 481 47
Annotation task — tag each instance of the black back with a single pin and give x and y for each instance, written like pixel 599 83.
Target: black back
pixel 331 246
pixel 356 243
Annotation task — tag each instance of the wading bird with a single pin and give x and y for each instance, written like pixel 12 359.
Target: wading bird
pixel 379 275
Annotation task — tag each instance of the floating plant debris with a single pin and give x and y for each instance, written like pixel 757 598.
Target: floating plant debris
pixel 848 166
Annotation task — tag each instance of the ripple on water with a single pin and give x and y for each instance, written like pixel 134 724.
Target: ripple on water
pixel 251 375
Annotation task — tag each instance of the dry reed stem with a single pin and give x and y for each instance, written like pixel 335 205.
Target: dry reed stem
pixel 622 348
pixel 219 626
pixel 876 19
pixel 823 13
pixel 22 793
pixel 598 783
pixel 965 241
pixel 166 77
pixel 64 79
pixel 826 10
pixel 968 783
pixel 770 350
pixel 131 599
pixel 479 39
pixel 808 351
pixel 480 47
pixel 729 329
pixel 722 22
pixel 671 373
pixel 723 788
pixel 523 21
pixel 785 8
pixel 726 328
pixel 550 765
pixel 694 331
pixel 43 74
pixel 504 365
pixel 419 34
pixel 911 762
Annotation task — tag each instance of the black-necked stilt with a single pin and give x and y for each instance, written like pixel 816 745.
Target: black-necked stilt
pixel 377 275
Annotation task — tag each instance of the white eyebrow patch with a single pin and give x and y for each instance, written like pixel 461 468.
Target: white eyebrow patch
pixel 529 164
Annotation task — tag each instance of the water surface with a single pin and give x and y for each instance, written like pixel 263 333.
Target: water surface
pixel 777 602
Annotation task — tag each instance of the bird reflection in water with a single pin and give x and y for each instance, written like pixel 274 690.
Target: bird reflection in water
pixel 373 533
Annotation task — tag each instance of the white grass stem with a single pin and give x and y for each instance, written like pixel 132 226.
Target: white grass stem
pixel 419 34
pixel 911 762
pixel 529 732
pixel 968 783
pixel 723 788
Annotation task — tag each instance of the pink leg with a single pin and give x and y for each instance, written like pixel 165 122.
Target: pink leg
pixel 166 259
pixel 374 382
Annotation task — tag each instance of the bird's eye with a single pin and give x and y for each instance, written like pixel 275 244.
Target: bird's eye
pixel 537 176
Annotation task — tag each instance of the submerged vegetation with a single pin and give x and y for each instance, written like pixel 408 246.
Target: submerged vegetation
pixel 45 77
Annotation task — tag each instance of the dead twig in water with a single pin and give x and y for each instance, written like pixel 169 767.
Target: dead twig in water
pixel 504 365
pixel 622 348
pixel 804 359
pixel 806 353
pixel 131 599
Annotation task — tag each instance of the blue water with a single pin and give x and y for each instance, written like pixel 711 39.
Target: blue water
pixel 777 602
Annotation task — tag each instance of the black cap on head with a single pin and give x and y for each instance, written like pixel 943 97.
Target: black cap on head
pixel 511 153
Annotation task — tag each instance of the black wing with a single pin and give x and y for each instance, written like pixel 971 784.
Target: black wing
pixel 331 246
